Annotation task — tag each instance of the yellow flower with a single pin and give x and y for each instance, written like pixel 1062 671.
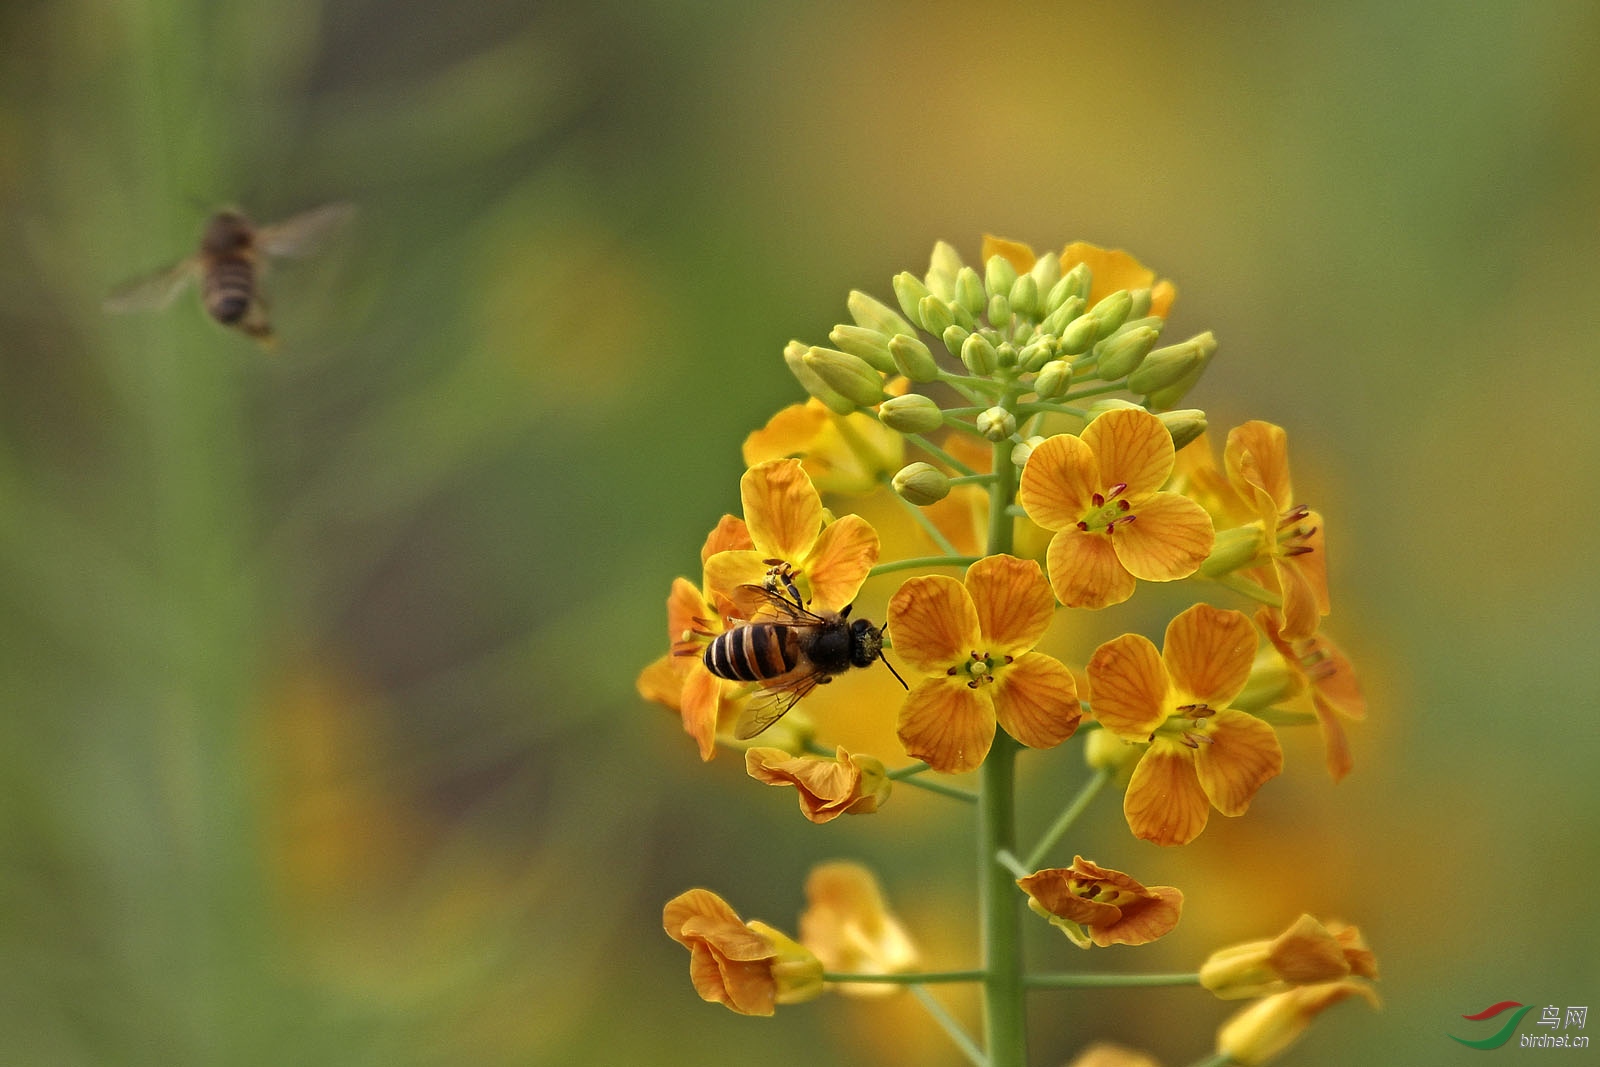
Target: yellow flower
pixel 1110 269
pixel 1201 753
pixel 787 524
pixel 1335 691
pixel 750 967
pixel 850 928
pixel 1105 1054
pixel 1296 567
pixel 1306 953
pixel 1096 905
pixel 1267 1027
pixel 848 454
pixel 1101 495
pixel 828 788
pixel 976 641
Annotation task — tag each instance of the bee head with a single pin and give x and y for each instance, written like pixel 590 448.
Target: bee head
pixel 866 642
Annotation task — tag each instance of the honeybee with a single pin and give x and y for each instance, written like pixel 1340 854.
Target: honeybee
pixel 230 264
pixel 789 650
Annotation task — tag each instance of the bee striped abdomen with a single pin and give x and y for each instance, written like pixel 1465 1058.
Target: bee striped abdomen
pixel 228 287
pixel 752 653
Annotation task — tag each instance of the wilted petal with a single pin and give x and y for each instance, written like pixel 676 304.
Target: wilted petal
pixel 1155 914
pixel 1085 571
pixel 1169 538
pixel 1059 481
pixel 782 508
pixel 828 788
pixel 729 963
pixel 849 927
pixel 1208 653
pixel 1128 687
pixel 933 622
pixel 1036 700
pixel 1164 803
pixel 1243 756
pixel 947 724
pixel 1013 602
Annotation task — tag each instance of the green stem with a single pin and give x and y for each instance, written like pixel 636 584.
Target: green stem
pixel 905 979
pixel 951 1027
pixel 938 453
pixel 1096 390
pixel 954 792
pixel 910 770
pixel 940 541
pixel 921 563
pixel 1004 1008
pixel 1221 1059
pixel 1063 823
pixel 1107 981
pixel 972 479
pixel 1045 407
pixel 1245 587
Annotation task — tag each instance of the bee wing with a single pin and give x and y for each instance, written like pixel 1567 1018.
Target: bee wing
pixel 301 234
pixel 773 703
pixel 153 291
pixel 757 601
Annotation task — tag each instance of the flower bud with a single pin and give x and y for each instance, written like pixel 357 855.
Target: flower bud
pixel 1079 334
pixel 1035 354
pixel 912 358
pixel 943 266
pixel 978 353
pixel 1271 680
pixel 1054 379
pixel 996 423
pixel 1064 313
pixel 1235 548
pixel 1122 352
pixel 999 275
pixel 921 484
pixel 872 313
pixel 1141 303
pixel 935 315
pixel 1184 425
pixel 1046 272
pixel 1075 282
pixel 1166 366
pixel 1007 353
pixel 868 344
pixel 954 337
pixel 1111 312
pixel 1272 1024
pixel 794 355
pixel 851 376
pixel 909 291
pixel 1025 296
pixel 969 291
pixel 912 413
pixel 999 310
pixel 1161 399
pixel 1023 450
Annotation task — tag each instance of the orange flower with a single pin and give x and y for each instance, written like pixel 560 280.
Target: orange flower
pixel 1257 461
pixel 849 454
pixel 1110 269
pixel 1267 1027
pixel 750 967
pixel 976 641
pixel 1335 692
pixel 1201 753
pixel 1096 905
pixel 829 788
pixel 850 928
pixel 1306 953
pixel 827 560
pixel 1100 494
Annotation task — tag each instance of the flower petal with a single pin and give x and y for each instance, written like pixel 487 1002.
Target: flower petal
pixel 1164 803
pixel 934 623
pixel 1243 755
pixel 662 682
pixel 1128 687
pixel 1143 920
pixel 1058 481
pixel 1132 447
pixel 727 571
pixel 1112 269
pixel 1208 653
pixel 1036 700
pixel 1335 745
pixel 788 433
pixel 1086 570
pixel 1162 294
pixel 1013 601
pixel 947 724
pixel 1169 540
pixel 782 508
pixel 728 535
pixel 1268 446
pixel 702 696
pixel 1016 253
pixel 839 562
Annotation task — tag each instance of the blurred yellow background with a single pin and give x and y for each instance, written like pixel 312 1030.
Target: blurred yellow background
pixel 321 742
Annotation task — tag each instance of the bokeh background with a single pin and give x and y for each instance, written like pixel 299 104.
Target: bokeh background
pixel 320 741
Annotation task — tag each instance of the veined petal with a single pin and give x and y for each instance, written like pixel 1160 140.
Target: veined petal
pixel 1208 653
pixel 700 913
pixel 1301 616
pixel 1314 564
pixel 839 562
pixel 1085 570
pixel 727 571
pixel 1335 744
pixel 1058 481
pixel 1169 539
pixel 701 697
pixel 1013 602
pixel 1268 445
pixel 1036 700
pixel 782 508
pixel 746 986
pixel 934 623
pixel 1143 921
pixel 1128 687
pixel 788 433
pixel 1016 253
pixel 947 724
pixel 1164 803
pixel 1133 448
pixel 1243 755
pixel 730 534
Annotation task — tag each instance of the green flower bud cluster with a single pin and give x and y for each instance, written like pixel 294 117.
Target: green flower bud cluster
pixel 1019 348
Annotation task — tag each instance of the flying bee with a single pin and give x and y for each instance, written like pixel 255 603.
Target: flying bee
pixel 788 649
pixel 230 264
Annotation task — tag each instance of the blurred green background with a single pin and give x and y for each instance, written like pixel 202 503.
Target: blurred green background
pixel 320 741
